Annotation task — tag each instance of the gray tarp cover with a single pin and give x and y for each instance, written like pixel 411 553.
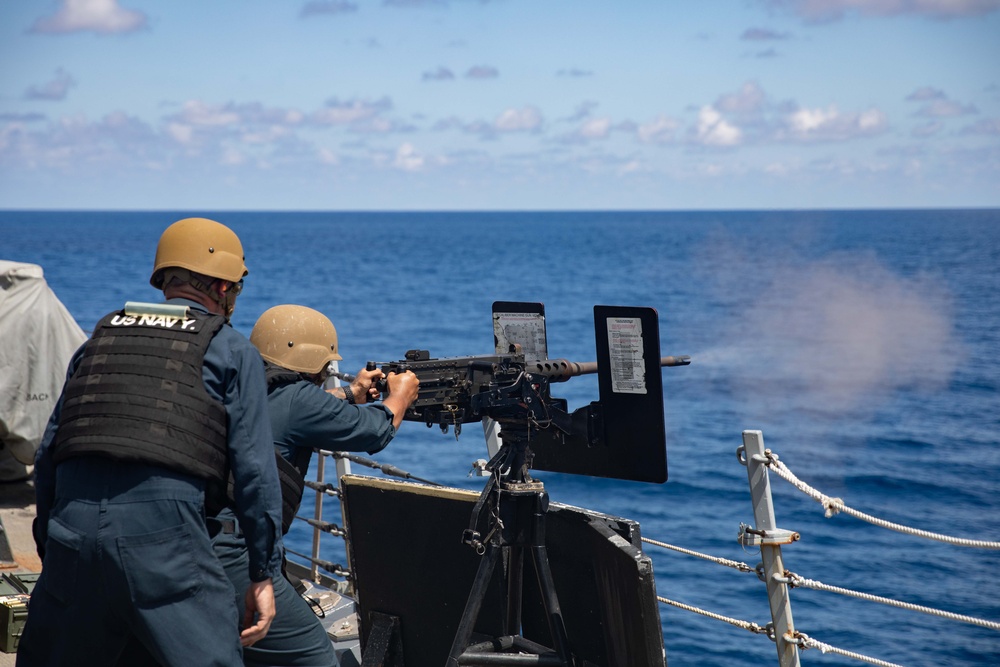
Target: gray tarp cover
pixel 37 338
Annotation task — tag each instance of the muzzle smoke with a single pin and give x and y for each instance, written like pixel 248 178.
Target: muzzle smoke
pixel 834 334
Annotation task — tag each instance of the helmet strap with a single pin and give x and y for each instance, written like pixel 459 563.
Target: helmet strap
pixel 228 304
pixel 221 296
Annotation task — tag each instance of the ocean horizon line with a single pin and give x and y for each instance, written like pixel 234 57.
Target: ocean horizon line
pixel 846 209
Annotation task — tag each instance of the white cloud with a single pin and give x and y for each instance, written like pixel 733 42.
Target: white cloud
pixel 660 130
pixel 595 128
pixel 807 120
pixel 265 136
pixel 632 167
pixel 408 159
pixel 100 16
pixel 525 119
pixel 195 112
pixel 327 156
pixel 180 132
pixel 748 117
pixel 871 120
pixel 714 130
pixel 831 125
pixel 72 143
pixel 343 113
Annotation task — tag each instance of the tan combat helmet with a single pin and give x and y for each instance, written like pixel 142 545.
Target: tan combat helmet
pixel 200 245
pixel 295 337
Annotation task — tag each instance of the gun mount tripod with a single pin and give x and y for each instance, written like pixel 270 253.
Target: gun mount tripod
pixel 517 508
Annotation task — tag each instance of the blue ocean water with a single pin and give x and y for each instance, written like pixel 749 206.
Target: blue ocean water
pixel 864 344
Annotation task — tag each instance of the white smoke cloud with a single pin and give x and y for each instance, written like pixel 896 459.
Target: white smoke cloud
pixel 835 334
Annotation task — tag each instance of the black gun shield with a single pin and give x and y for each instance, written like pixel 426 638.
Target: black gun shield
pixel 622 435
pixel 409 563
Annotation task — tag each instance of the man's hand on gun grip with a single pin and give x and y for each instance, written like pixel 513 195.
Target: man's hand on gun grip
pixel 403 389
pixel 364 386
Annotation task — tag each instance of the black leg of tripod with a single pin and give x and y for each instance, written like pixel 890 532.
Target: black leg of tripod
pixel 553 613
pixel 541 655
pixel 474 603
pixel 515 580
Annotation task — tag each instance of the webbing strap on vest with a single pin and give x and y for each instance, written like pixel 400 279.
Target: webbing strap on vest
pixel 293 485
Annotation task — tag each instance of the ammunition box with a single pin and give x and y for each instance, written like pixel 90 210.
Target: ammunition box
pixel 13 613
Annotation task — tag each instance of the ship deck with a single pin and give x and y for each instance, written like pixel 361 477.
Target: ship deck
pixel 17 510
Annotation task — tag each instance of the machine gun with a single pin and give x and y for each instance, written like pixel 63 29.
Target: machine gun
pixel 458 390
pixel 620 436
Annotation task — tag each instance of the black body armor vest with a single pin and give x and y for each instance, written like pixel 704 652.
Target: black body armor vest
pixel 138 395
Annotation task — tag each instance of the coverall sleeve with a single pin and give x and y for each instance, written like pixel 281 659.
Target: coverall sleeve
pixel 45 468
pixel 251 458
pixel 311 417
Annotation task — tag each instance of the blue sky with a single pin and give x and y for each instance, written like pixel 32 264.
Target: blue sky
pixel 499 104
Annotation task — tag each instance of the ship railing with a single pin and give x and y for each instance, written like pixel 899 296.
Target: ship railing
pixel 769 538
pixel 332 575
pixel 765 535
pixel 325 489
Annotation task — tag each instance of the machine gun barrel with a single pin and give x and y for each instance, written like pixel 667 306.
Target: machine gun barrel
pixel 448 386
pixel 560 370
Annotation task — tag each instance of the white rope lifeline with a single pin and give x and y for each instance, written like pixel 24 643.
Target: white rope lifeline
pixel 799 581
pixel 802 639
pixel 746 625
pixel 835 505
pixel 808 642
pixel 742 567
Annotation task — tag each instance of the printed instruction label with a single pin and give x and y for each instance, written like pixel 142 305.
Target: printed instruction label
pixel 524 329
pixel 625 345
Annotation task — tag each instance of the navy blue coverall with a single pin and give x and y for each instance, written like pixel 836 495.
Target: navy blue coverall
pixel 303 417
pixel 127 554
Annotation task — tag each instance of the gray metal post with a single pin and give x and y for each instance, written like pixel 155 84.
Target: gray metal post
pixel 318 515
pixel 343 467
pixel 770 538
